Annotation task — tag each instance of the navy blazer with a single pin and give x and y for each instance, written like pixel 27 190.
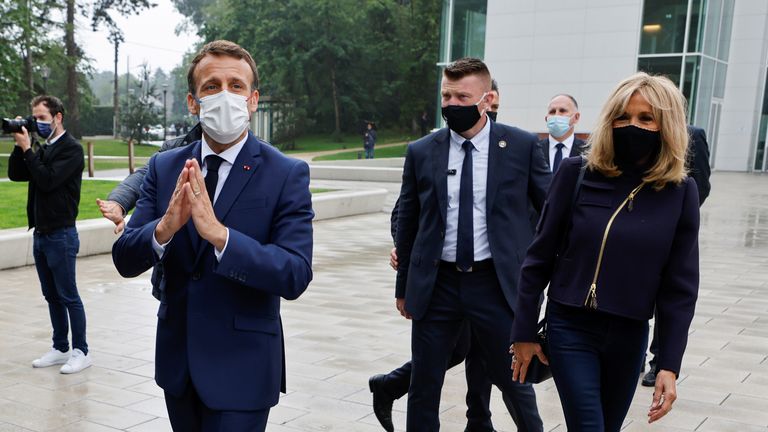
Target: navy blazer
pixel 517 174
pixel 579 147
pixel 219 322
pixel 651 255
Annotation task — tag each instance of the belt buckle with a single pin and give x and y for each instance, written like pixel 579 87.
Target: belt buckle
pixel 458 269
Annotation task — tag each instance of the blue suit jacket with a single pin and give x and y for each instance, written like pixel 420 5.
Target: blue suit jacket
pixel 517 175
pixel 219 322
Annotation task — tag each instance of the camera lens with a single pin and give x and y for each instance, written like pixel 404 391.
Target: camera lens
pixel 14 125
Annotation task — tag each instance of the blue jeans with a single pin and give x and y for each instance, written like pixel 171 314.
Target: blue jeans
pixel 369 152
pixel 55 254
pixel 595 359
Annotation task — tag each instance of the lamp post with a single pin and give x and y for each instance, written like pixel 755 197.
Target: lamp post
pixel 46 72
pixel 165 111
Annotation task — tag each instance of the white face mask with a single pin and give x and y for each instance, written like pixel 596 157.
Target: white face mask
pixel 224 116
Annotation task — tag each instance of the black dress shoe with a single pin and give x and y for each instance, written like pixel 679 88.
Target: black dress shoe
pixel 382 402
pixel 649 379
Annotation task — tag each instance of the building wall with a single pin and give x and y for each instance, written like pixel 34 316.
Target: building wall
pixel 536 49
pixel 744 87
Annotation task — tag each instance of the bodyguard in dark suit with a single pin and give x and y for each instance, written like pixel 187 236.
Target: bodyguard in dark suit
pixel 234 237
pixel 562 117
pixel 463 215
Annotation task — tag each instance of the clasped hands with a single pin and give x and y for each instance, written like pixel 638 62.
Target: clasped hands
pixel 190 200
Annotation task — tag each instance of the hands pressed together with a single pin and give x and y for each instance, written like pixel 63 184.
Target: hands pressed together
pixel 190 199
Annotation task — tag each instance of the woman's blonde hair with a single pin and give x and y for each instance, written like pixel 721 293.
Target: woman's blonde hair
pixel 668 106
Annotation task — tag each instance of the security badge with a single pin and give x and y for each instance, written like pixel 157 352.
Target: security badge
pixel 502 144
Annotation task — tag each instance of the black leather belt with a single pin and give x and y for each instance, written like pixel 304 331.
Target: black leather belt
pixel 483 265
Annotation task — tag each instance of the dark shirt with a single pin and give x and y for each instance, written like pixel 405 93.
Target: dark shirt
pixel 54 173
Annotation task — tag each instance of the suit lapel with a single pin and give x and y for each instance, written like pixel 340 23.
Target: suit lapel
pixel 245 165
pixel 440 149
pixel 496 155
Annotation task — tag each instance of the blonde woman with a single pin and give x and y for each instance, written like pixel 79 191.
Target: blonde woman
pixel 626 244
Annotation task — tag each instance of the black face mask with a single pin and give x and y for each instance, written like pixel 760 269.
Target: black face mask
pixel 492 115
pixel 635 147
pixel 460 118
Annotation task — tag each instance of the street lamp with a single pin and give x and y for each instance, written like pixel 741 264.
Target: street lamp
pixel 165 110
pixel 46 72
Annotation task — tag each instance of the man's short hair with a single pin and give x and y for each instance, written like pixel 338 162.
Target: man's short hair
pixel 53 104
pixel 494 85
pixel 467 66
pixel 573 99
pixel 221 48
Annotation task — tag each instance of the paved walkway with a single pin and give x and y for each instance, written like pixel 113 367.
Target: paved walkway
pixel 345 328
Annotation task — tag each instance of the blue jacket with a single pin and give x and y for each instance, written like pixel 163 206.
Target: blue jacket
pixel 651 255
pixel 517 175
pixel 219 322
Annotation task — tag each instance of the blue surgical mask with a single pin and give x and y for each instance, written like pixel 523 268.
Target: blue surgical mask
pixel 44 129
pixel 558 125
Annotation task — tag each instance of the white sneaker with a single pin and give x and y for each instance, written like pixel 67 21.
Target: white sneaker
pixel 51 358
pixel 77 362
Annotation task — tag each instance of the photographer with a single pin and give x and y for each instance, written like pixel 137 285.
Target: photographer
pixel 54 173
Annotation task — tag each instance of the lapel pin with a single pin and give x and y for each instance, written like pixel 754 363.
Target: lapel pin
pixel 502 144
pixel 247 167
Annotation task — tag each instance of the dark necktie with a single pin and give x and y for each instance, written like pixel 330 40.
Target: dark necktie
pixel 212 163
pixel 558 157
pixel 465 240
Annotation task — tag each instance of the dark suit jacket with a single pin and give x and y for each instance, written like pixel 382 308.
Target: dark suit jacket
pixel 698 161
pixel 54 174
pixel 651 255
pixel 219 322
pixel 517 174
pixel 578 148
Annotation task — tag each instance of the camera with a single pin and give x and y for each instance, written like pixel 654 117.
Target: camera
pixel 15 125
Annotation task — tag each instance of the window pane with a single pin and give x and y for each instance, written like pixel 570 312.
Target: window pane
pixel 712 27
pixel 704 97
pixel 725 30
pixel 444 33
pixel 468 35
pixel 663 26
pixel 689 83
pixel 719 86
pixel 696 30
pixel 668 66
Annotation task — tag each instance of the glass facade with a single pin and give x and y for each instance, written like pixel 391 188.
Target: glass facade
pixel 761 160
pixel 462 34
pixel 688 41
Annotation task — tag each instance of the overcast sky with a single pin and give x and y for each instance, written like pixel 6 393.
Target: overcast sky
pixel 149 37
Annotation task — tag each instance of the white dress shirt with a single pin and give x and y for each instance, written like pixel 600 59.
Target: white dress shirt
pixel 229 155
pixel 480 143
pixel 567 143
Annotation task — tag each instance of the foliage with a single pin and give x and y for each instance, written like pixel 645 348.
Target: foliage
pixel 337 62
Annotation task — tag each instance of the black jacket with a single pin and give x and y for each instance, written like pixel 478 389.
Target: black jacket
pixel 54 174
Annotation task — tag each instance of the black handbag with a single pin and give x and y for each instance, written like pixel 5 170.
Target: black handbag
pixel 538 371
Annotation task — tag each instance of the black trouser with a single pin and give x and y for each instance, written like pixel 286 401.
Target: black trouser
pixel 458 297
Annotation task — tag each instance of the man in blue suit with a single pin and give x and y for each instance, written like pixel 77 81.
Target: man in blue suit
pixel 230 220
pixel 463 229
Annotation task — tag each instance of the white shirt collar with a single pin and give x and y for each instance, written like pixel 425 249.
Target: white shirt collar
pixel 568 143
pixel 479 141
pixel 229 155
pixel 56 138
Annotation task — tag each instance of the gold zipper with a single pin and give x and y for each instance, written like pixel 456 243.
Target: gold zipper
pixel 591 301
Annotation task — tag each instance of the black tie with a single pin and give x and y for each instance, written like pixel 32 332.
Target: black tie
pixel 558 157
pixel 212 163
pixel 465 240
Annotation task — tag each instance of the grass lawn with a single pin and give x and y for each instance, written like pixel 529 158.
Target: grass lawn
pixel 386 152
pixel 322 142
pixel 13 201
pixel 101 147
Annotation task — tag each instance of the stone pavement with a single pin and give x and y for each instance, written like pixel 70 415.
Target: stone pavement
pixel 345 328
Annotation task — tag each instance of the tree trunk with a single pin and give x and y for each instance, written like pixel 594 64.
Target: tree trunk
pixel 336 107
pixel 73 99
